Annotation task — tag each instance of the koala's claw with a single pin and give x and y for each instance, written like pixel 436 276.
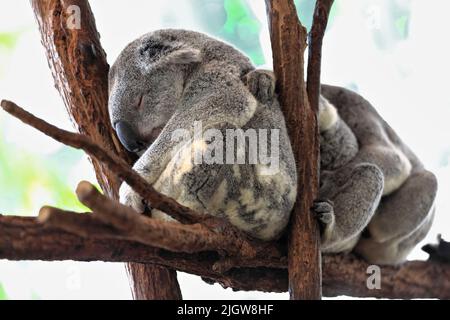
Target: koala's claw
pixel 324 211
pixel 261 84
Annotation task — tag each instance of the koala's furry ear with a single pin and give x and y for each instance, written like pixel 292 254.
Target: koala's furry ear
pixel 185 56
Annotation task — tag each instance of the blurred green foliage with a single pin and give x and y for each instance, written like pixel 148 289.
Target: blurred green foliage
pixel 25 178
pixel 232 21
pixel 35 296
pixel 3 295
pixel 401 25
pixel 392 26
pixel 235 22
pixel 305 12
pixel 8 40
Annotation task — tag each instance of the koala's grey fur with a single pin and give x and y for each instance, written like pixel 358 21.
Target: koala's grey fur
pixel 376 197
pixel 380 186
pixel 169 79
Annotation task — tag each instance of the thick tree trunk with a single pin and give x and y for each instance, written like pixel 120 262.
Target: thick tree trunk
pixel 79 67
pixel 152 282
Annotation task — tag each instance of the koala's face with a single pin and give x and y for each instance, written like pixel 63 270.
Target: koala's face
pixel 145 86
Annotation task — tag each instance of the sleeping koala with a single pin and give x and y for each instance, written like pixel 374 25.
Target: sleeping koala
pixel 377 197
pixel 174 93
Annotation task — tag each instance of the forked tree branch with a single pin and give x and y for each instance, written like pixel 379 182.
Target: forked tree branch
pixel 288 45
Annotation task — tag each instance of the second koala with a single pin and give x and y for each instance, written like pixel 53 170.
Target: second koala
pixel 376 197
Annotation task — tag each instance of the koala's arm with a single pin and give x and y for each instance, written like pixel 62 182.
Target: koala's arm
pixel 220 107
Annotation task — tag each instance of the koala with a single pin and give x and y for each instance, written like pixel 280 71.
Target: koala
pixel 375 199
pixel 167 84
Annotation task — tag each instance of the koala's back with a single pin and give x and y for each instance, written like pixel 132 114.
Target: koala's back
pixel 377 141
pixel 362 118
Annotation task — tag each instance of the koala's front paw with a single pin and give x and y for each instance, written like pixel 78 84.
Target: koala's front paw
pixel 324 211
pixel 129 197
pixel 261 84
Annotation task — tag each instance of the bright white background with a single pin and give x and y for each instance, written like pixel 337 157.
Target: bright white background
pixel 406 80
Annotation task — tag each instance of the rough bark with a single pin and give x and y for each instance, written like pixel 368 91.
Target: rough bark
pixel 25 238
pixel 319 25
pixel 79 67
pixel 288 45
pixel 29 239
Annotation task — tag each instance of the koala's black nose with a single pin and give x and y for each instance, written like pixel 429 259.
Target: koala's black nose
pixel 128 137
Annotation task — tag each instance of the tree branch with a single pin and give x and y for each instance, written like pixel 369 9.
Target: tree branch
pixel 174 236
pixel 80 70
pixel 319 25
pixel 110 160
pixel 28 239
pixel 288 38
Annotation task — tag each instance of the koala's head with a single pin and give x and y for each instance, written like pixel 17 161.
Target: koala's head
pixel 145 85
pixel 147 80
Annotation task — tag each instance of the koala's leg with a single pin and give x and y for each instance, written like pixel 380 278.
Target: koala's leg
pixel 353 204
pixel 401 221
pixel 261 84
